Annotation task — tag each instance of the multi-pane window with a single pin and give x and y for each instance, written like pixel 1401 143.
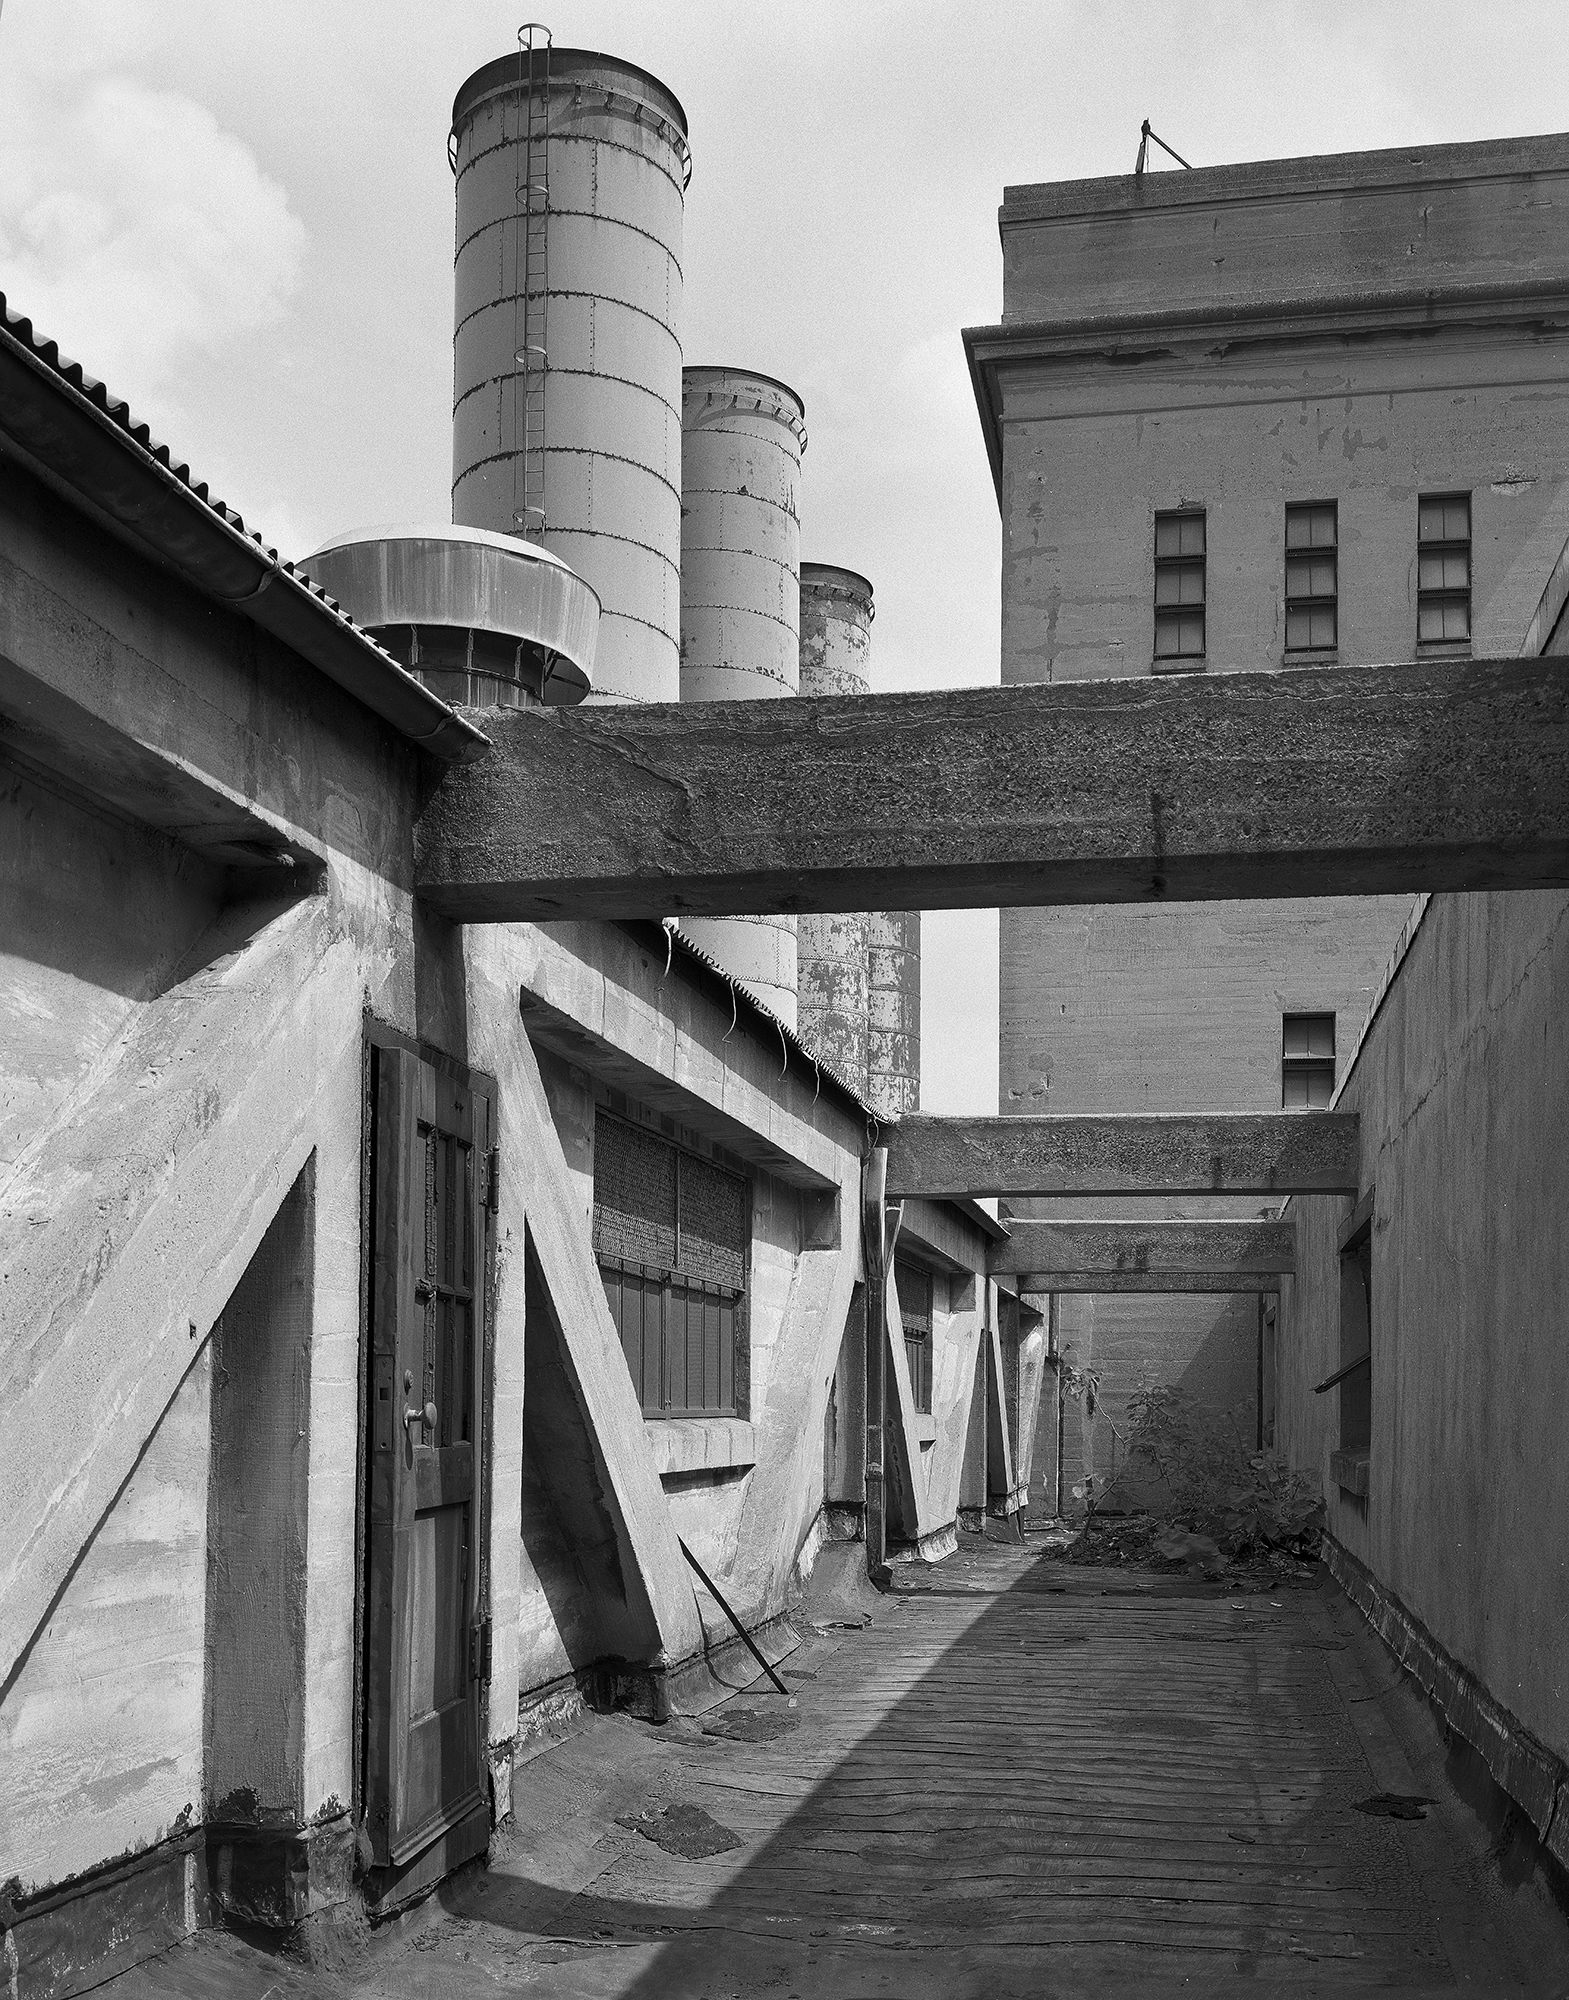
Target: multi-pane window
pixel 672 1233
pixel 1443 567
pixel 1312 581
pixel 1179 585
pixel 1307 1061
pixel 914 1286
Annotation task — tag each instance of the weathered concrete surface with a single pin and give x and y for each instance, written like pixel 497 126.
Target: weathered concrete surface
pixel 1321 781
pixel 836 637
pixel 1130 1248
pixel 1165 1803
pixel 1272 1153
pixel 208 1107
pixel 597 998
pixel 1327 231
pixel 1462 1085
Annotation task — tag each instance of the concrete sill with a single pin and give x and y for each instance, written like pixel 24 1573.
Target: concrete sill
pixel 1348 1469
pixel 925 1429
pixel 701 1444
pixel 1178 666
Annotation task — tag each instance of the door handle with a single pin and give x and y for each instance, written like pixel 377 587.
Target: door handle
pixel 427 1417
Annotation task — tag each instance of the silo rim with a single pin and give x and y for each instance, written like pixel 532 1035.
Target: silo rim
pixel 503 71
pixel 827 572
pixel 750 375
pixel 449 531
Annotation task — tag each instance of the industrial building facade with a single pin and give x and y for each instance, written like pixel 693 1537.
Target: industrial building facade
pixel 1294 413
pixel 420 1332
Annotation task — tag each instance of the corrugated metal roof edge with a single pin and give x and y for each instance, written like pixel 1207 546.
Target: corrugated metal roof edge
pixel 68 424
pixel 652 934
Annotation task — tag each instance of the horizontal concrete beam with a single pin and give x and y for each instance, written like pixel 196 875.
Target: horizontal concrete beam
pixel 1147 1249
pixel 1314 1152
pixel 1147 1281
pixel 1340 781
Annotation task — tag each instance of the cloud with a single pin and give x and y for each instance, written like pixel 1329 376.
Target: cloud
pixel 134 229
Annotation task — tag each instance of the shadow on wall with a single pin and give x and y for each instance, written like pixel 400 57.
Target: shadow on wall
pixel 570 1527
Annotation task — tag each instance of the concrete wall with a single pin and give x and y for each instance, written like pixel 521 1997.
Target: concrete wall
pixel 1463 1090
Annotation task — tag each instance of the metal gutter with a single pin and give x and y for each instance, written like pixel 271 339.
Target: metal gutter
pixel 763 1024
pixel 86 445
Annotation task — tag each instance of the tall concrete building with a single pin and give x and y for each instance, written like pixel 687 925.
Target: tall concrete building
pixel 1278 415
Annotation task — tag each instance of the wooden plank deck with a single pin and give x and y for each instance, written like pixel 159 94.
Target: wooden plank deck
pixel 1025 1778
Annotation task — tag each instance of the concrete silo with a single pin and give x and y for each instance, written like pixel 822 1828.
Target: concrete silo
pixel 833 999
pixel 571 171
pixel 742 436
pixel 893 1036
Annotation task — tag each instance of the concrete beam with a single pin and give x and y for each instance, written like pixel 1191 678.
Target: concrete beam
pixel 1146 1249
pixel 1148 1281
pixel 1271 1153
pixel 1316 781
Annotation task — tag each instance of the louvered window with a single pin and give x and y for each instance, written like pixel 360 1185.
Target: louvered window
pixel 672 1233
pixel 1312 578
pixel 1443 568
pixel 1179 586
pixel 914 1286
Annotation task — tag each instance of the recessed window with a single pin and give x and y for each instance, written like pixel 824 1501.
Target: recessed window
pixel 1179 585
pixel 672 1233
pixel 1443 568
pixel 1312 577
pixel 1352 1380
pixel 914 1286
pixel 1307 1061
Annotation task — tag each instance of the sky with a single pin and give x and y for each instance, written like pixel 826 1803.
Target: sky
pixel 241 219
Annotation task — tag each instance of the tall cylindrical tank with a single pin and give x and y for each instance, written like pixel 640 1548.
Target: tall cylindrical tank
pixel 574 379
pixel 742 436
pixel 893 1067
pixel 832 967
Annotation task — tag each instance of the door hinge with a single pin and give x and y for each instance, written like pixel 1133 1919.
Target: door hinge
pixel 479 1651
pixel 493 1181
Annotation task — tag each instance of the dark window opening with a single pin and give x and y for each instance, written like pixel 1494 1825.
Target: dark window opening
pixel 914 1286
pixel 1312 577
pixel 1179 585
pixel 1443 569
pixel 1307 1061
pixel 672 1235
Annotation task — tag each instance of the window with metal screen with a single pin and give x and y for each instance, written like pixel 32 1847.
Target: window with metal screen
pixel 1307 1061
pixel 1312 577
pixel 1443 568
pixel 914 1286
pixel 1179 585
pixel 672 1233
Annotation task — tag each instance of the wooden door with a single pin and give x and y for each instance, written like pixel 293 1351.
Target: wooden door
pixel 427 1648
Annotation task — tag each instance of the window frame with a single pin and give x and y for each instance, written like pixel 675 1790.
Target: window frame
pixel 1445 547
pixel 1311 1062
pixel 677 1290
pixel 1183 562
pixel 923 1339
pixel 1313 603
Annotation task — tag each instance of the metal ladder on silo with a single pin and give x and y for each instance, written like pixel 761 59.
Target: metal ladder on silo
pixel 531 268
